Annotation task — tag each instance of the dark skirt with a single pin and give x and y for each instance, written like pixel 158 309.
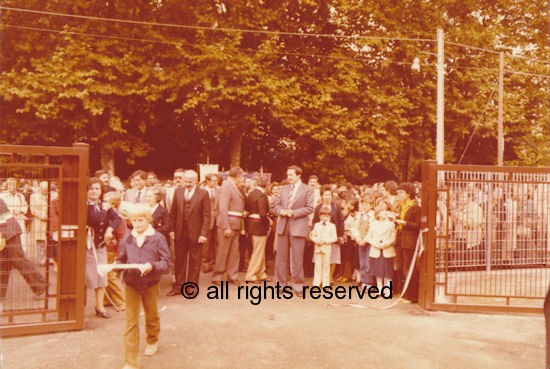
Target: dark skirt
pixel 381 267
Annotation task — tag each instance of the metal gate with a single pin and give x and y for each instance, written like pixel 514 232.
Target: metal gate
pixel 487 244
pixel 42 289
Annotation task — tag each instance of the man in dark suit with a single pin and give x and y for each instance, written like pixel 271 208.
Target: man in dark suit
pixel 257 227
pixel 292 206
pixel 190 214
pixel 230 217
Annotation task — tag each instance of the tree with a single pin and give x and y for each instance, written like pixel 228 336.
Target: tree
pixel 242 84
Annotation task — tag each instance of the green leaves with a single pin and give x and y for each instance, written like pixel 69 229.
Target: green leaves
pixel 339 106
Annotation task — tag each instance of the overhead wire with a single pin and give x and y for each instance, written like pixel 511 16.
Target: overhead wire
pixel 512 71
pixel 544 62
pixel 216 29
pixel 124 38
pixel 275 33
pixel 478 122
pixel 179 43
pixel 240 30
pixel 267 32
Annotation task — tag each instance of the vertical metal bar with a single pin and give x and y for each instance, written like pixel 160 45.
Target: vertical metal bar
pixel 431 239
pixel 440 131
pixel 500 143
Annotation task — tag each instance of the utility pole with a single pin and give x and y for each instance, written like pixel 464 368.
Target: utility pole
pixel 500 138
pixel 440 131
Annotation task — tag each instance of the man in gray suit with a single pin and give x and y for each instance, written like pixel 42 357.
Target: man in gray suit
pixel 136 194
pixel 292 206
pixel 230 218
pixel 211 245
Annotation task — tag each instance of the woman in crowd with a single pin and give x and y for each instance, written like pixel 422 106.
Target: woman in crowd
pixel 114 290
pixel 408 226
pixel 161 218
pixel 381 236
pixel 101 226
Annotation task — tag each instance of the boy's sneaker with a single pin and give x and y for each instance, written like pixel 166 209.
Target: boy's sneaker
pixel 151 350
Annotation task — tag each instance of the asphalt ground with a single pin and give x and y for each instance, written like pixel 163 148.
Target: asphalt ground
pixel 293 333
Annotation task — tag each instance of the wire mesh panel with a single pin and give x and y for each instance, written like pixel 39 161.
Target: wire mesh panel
pixel 40 261
pixel 491 228
pixel 28 280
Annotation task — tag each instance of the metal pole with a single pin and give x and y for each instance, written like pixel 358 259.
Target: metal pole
pixel 440 132
pixel 500 138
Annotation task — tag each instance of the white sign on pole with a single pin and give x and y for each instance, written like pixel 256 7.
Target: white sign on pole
pixel 205 169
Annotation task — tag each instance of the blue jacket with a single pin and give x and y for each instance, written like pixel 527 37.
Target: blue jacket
pixel 154 251
pixel 99 219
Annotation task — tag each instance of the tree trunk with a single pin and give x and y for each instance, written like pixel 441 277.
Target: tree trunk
pixel 406 162
pixel 107 155
pixel 235 146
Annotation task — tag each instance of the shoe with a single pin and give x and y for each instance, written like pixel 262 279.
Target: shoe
pixel 126 366
pixel 298 293
pixel 216 283
pixel 235 282
pixel 102 314
pixel 151 350
pixel 173 292
pixel 343 280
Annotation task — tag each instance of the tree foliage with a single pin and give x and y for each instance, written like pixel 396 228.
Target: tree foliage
pixel 244 85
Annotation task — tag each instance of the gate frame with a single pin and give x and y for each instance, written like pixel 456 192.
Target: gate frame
pixel 426 263
pixel 72 256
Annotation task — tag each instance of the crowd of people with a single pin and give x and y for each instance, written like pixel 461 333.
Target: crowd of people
pixel 234 225
pixel 227 227
pixel 242 230
pixel 247 230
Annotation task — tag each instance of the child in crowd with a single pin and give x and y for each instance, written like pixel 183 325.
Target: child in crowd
pixel 381 237
pixel 143 245
pixel 359 234
pixel 323 235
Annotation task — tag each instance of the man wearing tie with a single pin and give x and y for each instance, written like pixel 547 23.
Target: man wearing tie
pixel 209 250
pixel 190 214
pixel 292 206
pixel 136 194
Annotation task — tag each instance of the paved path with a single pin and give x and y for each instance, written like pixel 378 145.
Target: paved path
pixel 296 333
